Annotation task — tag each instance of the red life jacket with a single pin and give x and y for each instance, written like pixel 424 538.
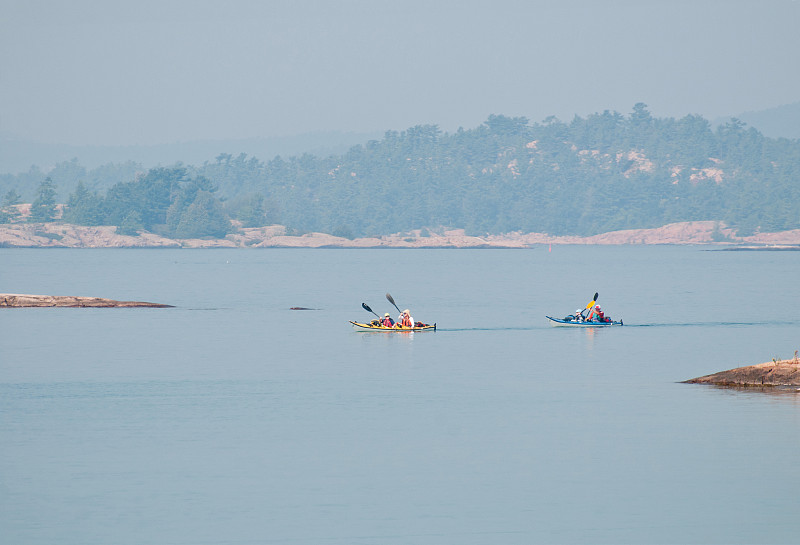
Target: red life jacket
pixel 407 321
pixel 387 322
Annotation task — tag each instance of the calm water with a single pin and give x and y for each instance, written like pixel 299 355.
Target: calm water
pixel 231 419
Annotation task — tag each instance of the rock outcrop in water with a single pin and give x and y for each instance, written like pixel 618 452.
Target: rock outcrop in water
pixel 773 373
pixel 16 300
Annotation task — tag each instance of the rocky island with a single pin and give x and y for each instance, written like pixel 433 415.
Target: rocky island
pixel 16 300
pixel 778 373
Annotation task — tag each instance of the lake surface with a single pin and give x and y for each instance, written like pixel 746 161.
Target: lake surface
pixel 231 419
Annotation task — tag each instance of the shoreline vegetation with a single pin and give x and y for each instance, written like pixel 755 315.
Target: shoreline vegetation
pixel 19 300
pixel 65 235
pixel 596 174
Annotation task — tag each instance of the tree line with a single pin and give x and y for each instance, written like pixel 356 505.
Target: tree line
pixel 600 173
pixel 166 201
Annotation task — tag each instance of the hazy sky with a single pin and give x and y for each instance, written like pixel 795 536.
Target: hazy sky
pixel 158 71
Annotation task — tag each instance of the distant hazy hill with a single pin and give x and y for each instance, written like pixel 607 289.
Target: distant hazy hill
pixel 779 122
pixel 597 174
pixel 19 155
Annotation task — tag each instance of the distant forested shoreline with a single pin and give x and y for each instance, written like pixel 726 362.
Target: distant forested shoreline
pixel 596 174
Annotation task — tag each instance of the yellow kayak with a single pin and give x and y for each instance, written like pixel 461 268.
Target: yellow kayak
pixel 375 326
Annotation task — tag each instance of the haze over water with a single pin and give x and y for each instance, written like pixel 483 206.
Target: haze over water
pixel 168 71
pixel 232 419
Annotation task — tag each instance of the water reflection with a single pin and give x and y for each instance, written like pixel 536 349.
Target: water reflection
pixel 790 393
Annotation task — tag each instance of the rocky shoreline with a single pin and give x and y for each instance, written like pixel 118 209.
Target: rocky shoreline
pixel 17 300
pixel 776 373
pixel 63 235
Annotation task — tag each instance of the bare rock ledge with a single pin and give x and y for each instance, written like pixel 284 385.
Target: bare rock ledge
pixel 773 373
pixel 16 300
pixel 64 235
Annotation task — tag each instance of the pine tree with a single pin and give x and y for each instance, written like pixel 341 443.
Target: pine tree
pixel 7 210
pixel 205 217
pixel 84 207
pixel 43 208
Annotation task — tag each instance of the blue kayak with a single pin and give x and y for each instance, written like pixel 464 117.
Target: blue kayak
pixel 559 322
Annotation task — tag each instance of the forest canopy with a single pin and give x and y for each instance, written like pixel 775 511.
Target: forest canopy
pixel 596 174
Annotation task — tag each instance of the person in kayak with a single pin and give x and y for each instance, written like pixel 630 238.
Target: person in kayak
pixel 405 319
pixel 599 315
pixel 578 316
pixel 387 321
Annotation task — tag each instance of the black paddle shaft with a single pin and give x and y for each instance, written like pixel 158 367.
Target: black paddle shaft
pixel 389 298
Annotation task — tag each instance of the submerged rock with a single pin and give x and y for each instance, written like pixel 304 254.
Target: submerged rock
pixel 16 300
pixel 773 373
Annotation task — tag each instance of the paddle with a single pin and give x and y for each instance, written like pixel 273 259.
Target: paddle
pixel 369 309
pixel 389 298
pixel 589 305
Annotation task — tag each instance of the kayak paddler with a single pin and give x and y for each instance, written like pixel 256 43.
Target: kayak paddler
pixel 405 319
pixel 599 315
